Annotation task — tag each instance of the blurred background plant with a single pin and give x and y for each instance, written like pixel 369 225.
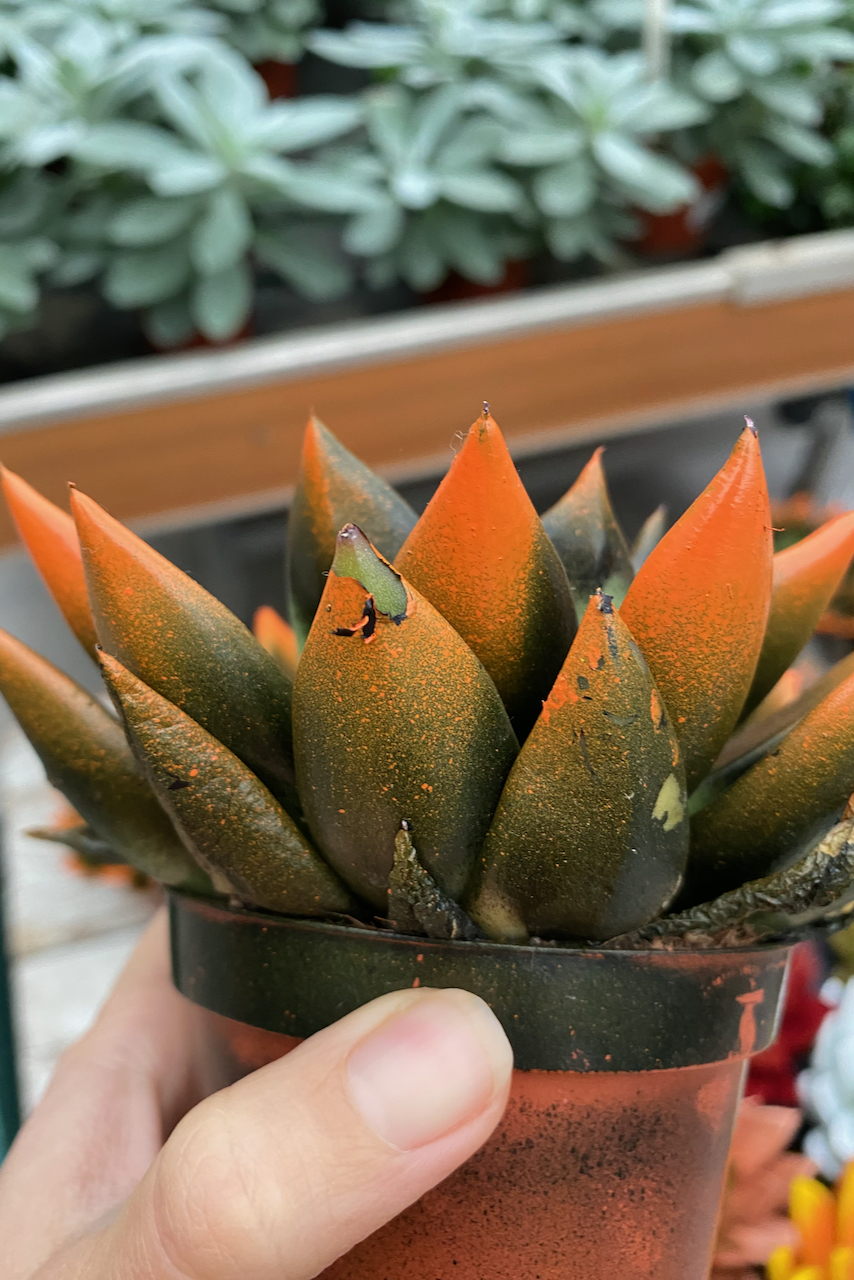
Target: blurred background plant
pixel 147 151
pixel 155 163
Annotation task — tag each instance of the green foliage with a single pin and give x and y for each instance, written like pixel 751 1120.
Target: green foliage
pixel 174 173
pixel 492 129
pixel 762 67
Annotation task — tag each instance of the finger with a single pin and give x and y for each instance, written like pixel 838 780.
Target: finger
pixel 104 1115
pixel 288 1169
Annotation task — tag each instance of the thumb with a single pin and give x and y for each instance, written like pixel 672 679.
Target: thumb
pixel 283 1172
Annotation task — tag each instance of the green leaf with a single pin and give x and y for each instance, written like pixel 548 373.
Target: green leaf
pixel 439 742
pixel 803 144
pixel 716 77
pixel 817 887
pixel 658 184
pixel 293 126
pixel 226 816
pixel 590 837
pixel 376 230
pixel 485 189
pixel 565 189
pixel 762 733
pixel 806 576
pixel 775 810
pixel 763 174
pixel 142 277
pixel 306 265
pixel 220 304
pixel 334 489
pixel 222 235
pixel 169 632
pixel 149 221
pixel 169 324
pixel 87 758
pixel 128 144
pixel 651 532
pixel 18 291
pixel 588 539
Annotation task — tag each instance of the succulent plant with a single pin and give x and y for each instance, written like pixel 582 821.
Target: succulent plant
pixel 435 198
pixel 762 65
pixel 176 170
pixel 471 745
pixel 602 115
pixel 26 248
pixel 269 29
pixel 571 126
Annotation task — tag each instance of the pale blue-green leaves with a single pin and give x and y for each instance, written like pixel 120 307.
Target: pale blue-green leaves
pixel 26 251
pixel 763 65
pixel 178 168
pixel 437 196
pixel 444 42
pixel 263 29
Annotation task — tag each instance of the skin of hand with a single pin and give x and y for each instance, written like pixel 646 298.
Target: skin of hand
pixel 124 1171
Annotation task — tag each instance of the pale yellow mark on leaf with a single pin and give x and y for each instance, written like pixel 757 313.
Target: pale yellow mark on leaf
pixel 669 807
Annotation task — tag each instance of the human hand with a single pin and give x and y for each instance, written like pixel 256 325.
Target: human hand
pixel 122 1171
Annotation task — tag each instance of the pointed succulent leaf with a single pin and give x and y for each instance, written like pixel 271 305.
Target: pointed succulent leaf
pixel 187 646
pixel 699 605
pixel 780 805
pixel 83 840
pixel 394 720
pixel 818 885
pixel 481 557
pixel 86 757
pixel 278 638
pixel 806 575
pixel 334 489
pixel 651 532
pixel 591 836
pixel 416 904
pixel 226 815
pixel 588 539
pixel 50 536
pixel 757 737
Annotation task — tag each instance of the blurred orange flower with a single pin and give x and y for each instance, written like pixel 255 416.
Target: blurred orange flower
pixel 823 1248
pixel 754 1223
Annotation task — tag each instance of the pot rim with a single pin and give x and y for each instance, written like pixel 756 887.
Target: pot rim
pixel 564 1009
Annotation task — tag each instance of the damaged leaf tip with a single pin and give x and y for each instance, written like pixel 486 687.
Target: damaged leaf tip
pixel 356 558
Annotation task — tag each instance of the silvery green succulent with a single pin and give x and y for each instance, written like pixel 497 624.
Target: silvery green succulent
pixel 435 198
pixel 574 124
pixel 441 42
pixel 761 65
pixel 175 176
pixel 220 187
pixel 26 250
pixel 586 140
pixel 264 29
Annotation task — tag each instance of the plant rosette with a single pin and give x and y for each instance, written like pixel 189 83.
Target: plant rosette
pixel 490 754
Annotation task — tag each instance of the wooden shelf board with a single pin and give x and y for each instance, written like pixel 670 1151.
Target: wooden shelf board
pixel 237 447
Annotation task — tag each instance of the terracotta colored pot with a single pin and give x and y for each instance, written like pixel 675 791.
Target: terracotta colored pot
pixel 686 229
pixel 610 1159
pixel 456 288
pixel 279 77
